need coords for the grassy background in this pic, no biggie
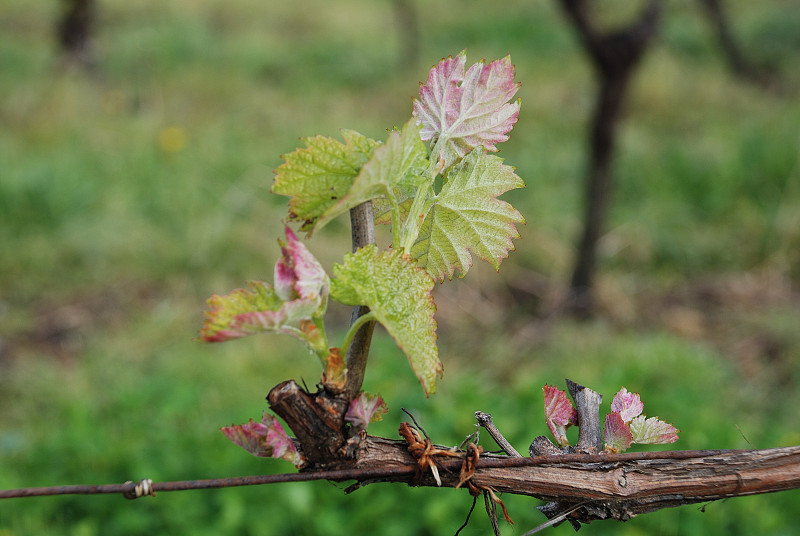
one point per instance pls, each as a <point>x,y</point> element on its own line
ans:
<point>128,197</point>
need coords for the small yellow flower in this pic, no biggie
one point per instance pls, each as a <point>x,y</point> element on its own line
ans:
<point>172,139</point>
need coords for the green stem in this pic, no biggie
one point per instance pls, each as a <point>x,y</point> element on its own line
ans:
<point>396,225</point>
<point>416,215</point>
<point>320,345</point>
<point>354,327</point>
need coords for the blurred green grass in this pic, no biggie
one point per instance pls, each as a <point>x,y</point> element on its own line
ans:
<point>129,197</point>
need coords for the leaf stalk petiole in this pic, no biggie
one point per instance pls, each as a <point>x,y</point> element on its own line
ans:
<point>417,212</point>
<point>351,333</point>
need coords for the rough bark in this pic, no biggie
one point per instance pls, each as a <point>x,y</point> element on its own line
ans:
<point>316,419</point>
<point>595,486</point>
<point>587,403</point>
<point>601,486</point>
<point>362,227</point>
<point>613,486</point>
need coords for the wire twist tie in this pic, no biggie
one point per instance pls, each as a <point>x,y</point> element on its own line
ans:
<point>423,450</point>
<point>142,488</point>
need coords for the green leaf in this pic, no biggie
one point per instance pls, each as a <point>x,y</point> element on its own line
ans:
<point>392,174</point>
<point>318,176</point>
<point>652,431</point>
<point>399,294</point>
<point>467,217</point>
<point>382,209</point>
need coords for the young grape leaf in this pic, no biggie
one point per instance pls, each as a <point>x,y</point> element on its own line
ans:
<point>559,413</point>
<point>251,436</point>
<point>628,405</point>
<point>467,216</point>
<point>618,436</point>
<point>246,312</point>
<point>298,274</point>
<point>299,298</point>
<point>398,292</point>
<point>266,439</point>
<point>382,208</point>
<point>463,111</point>
<point>364,409</point>
<point>318,176</point>
<point>652,431</point>
<point>392,174</point>
<point>334,377</point>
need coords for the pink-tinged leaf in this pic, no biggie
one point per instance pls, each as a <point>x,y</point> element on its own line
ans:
<point>293,306</point>
<point>462,110</point>
<point>618,436</point>
<point>282,445</point>
<point>251,436</point>
<point>628,405</point>
<point>364,409</point>
<point>247,312</point>
<point>266,439</point>
<point>559,413</point>
<point>652,431</point>
<point>297,273</point>
<point>239,313</point>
